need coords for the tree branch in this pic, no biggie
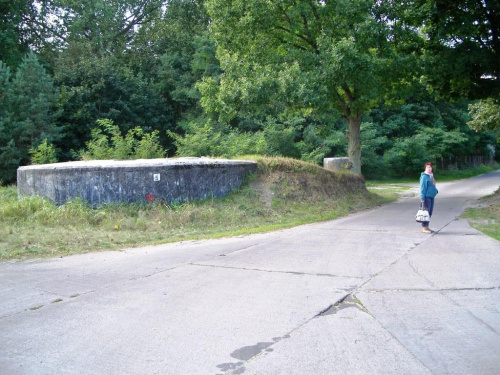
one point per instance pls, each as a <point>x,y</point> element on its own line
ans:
<point>302,37</point>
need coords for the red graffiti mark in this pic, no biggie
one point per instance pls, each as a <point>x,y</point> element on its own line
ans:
<point>150,198</point>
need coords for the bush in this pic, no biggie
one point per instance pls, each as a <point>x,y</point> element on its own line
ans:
<point>108,143</point>
<point>211,138</point>
<point>44,153</point>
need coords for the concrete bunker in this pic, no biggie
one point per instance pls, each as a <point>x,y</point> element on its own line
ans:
<point>337,164</point>
<point>100,182</point>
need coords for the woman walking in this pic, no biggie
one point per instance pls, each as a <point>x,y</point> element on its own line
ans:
<point>428,191</point>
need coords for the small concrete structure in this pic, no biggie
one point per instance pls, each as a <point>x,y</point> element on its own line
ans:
<point>337,164</point>
<point>130,181</point>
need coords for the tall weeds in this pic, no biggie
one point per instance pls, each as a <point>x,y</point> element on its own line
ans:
<point>282,193</point>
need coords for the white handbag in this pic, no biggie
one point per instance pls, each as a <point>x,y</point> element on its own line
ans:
<point>422,214</point>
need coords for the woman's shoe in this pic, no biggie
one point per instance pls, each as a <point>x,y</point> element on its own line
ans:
<point>426,230</point>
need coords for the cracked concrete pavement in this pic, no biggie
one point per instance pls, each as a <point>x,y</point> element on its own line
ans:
<point>365,294</point>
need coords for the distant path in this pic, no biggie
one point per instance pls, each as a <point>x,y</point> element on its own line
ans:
<point>365,294</point>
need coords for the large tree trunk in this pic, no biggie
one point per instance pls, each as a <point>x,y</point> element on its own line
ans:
<point>354,142</point>
<point>352,118</point>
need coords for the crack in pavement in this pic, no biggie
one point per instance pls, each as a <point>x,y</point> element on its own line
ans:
<point>250,353</point>
<point>430,290</point>
<point>42,304</point>
<point>276,271</point>
<point>349,301</point>
<point>153,274</point>
<point>238,250</point>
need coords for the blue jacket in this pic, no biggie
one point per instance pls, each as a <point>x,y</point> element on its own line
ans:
<point>427,188</point>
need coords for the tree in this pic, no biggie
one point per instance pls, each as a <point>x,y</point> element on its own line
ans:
<point>27,113</point>
<point>31,111</point>
<point>185,54</point>
<point>9,154</point>
<point>305,57</point>
<point>5,86</point>
<point>459,43</point>
<point>179,71</point>
<point>94,87</point>
<point>485,116</point>
<point>134,62</point>
<point>13,33</point>
<point>108,26</point>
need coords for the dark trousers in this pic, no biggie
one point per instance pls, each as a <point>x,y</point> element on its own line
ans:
<point>429,204</point>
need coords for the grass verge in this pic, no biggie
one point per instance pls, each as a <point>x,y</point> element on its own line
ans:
<point>390,191</point>
<point>458,174</point>
<point>282,193</point>
<point>486,217</point>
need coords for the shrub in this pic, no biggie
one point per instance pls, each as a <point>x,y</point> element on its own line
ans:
<point>44,153</point>
<point>108,143</point>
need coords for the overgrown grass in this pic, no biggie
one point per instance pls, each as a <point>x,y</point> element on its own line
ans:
<point>486,217</point>
<point>282,193</point>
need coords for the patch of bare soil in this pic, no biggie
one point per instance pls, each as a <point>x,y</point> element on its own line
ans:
<point>264,190</point>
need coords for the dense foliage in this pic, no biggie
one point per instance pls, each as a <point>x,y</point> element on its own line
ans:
<point>391,84</point>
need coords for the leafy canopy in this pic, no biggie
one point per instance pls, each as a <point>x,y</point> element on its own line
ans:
<point>301,57</point>
<point>486,116</point>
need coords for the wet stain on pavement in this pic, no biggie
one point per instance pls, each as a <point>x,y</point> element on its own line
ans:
<point>248,352</point>
<point>224,367</point>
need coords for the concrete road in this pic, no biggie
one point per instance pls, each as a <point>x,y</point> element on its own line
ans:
<point>365,294</point>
